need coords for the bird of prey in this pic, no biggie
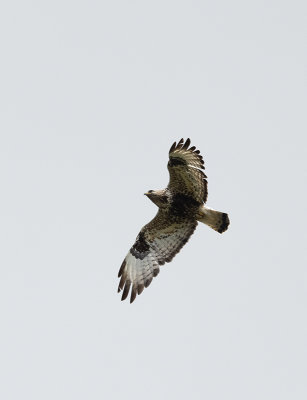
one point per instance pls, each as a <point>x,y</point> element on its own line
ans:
<point>180,208</point>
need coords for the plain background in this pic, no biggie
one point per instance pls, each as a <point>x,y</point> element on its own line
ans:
<point>93,94</point>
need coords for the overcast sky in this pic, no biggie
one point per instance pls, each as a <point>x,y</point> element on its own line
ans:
<point>93,94</point>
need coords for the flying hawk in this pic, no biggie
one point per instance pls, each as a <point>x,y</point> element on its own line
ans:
<point>180,207</point>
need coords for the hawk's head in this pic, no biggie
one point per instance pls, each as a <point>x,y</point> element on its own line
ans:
<point>159,197</point>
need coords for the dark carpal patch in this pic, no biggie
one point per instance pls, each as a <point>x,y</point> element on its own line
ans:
<point>176,161</point>
<point>140,249</point>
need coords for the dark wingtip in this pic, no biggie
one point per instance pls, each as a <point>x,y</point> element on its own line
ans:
<point>187,144</point>
<point>121,283</point>
<point>148,282</point>
<point>173,147</point>
<point>126,290</point>
<point>121,270</point>
<point>133,294</point>
<point>180,143</point>
<point>140,288</point>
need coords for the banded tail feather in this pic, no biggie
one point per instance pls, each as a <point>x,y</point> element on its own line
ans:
<point>217,220</point>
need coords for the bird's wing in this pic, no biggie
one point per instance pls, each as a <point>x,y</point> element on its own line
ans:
<point>157,243</point>
<point>185,168</point>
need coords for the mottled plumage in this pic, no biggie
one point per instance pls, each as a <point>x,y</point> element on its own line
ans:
<point>181,206</point>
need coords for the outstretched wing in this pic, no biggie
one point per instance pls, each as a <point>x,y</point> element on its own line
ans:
<point>185,168</point>
<point>157,243</point>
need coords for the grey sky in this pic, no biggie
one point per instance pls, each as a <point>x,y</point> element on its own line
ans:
<point>93,94</point>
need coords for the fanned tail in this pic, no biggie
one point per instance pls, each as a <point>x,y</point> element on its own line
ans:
<point>217,220</point>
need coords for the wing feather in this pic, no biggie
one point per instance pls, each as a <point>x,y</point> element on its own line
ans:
<point>185,168</point>
<point>157,243</point>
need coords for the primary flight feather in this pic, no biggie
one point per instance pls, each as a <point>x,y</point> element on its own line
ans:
<point>180,207</point>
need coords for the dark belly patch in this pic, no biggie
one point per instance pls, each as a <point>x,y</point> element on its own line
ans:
<point>184,205</point>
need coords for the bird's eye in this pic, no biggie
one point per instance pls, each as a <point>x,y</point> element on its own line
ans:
<point>150,191</point>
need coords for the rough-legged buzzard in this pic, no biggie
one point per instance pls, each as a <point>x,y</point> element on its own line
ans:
<point>180,207</point>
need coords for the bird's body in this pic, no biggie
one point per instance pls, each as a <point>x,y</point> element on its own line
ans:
<point>181,206</point>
